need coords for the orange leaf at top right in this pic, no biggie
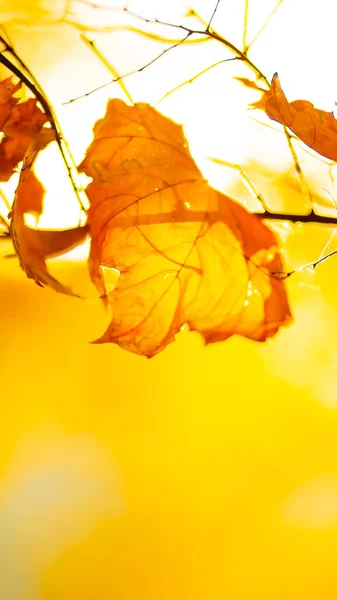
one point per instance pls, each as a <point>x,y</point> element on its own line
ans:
<point>315,127</point>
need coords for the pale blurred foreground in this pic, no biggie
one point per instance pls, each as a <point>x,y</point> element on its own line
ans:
<point>205,472</point>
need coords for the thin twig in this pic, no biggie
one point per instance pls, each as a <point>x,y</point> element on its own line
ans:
<point>303,182</point>
<point>220,62</point>
<point>212,34</point>
<point>268,19</point>
<point>10,49</point>
<point>281,275</point>
<point>4,223</point>
<point>328,244</point>
<point>212,16</point>
<point>208,34</point>
<point>5,39</point>
<point>117,79</point>
<point>91,44</point>
<point>155,37</point>
<point>246,181</point>
<point>245,25</point>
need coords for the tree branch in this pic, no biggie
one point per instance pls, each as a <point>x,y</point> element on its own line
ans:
<point>139,70</point>
<point>213,15</point>
<point>210,33</point>
<point>310,217</point>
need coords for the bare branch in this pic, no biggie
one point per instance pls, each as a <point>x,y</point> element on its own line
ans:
<point>207,34</point>
<point>91,44</point>
<point>281,275</point>
<point>117,79</point>
<point>213,14</point>
<point>310,217</point>
<point>211,34</point>
<point>303,182</point>
<point>268,19</point>
<point>155,37</point>
<point>220,62</point>
<point>245,25</point>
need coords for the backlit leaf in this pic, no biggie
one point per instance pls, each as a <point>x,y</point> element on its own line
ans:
<point>26,120</point>
<point>34,246</point>
<point>7,101</point>
<point>30,195</point>
<point>24,137</point>
<point>12,152</point>
<point>20,123</point>
<point>185,252</point>
<point>316,128</point>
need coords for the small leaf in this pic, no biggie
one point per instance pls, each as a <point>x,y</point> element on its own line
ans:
<point>34,246</point>
<point>250,83</point>
<point>30,196</point>
<point>30,192</point>
<point>8,89</point>
<point>185,252</point>
<point>12,152</point>
<point>26,120</point>
<point>7,101</point>
<point>315,127</point>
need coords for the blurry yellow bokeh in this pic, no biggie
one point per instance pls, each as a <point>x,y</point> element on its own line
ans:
<point>206,472</point>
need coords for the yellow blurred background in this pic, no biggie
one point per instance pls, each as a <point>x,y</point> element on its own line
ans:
<point>205,472</point>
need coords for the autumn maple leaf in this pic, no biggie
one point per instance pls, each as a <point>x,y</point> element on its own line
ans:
<point>185,253</point>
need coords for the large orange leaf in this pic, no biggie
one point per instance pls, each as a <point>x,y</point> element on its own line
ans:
<point>185,252</point>
<point>315,127</point>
